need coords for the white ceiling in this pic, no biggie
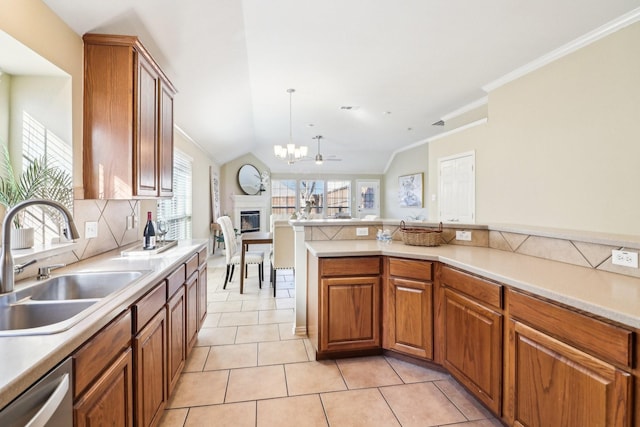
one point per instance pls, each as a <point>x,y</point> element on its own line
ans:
<point>233,61</point>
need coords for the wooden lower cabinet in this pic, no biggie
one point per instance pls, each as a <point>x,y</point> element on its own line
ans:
<point>108,402</point>
<point>567,368</point>
<point>176,335</point>
<point>202,293</point>
<point>472,344</point>
<point>150,349</point>
<point>471,334</point>
<point>103,377</point>
<point>555,384</point>
<point>191,294</point>
<point>408,308</point>
<point>344,306</point>
<point>351,306</point>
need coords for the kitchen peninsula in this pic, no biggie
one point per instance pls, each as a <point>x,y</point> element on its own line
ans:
<point>499,321</point>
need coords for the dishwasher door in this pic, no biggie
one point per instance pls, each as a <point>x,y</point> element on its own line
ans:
<point>47,403</point>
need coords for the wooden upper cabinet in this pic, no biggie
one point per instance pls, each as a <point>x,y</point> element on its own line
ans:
<point>128,121</point>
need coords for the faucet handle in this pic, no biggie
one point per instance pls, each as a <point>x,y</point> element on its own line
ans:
<point>20,267</point>
<point>45,272</point>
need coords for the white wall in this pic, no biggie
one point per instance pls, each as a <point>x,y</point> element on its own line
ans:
<point>562,144</point>
<point>412,161</point>
<point>47,100</point>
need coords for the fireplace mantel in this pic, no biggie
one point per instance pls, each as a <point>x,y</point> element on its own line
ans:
<point>250,203</point>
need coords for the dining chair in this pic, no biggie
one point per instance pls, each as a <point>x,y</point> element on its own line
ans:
<point>232,254</point>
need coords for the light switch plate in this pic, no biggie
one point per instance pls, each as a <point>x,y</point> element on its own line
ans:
<point>90,229</point>
<point>362,231</point>
<point>463,235</point>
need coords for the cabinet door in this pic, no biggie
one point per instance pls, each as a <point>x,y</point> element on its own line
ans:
<point>554,384</point>
<point>109,401</point>
<point>176,312</point>
<point>409,317</point>
<point>150,348</point>
<point>202,294</point>
<point>350,313</point>
<point>473,347</point>
<point>165,141</point>
<point>146,141</point>
<point>191,291</point>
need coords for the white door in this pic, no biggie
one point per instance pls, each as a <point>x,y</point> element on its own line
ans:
<point>457,189</point>
<point>368,197</point>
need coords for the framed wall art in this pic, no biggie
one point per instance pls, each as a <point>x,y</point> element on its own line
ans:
<point>410,190</point>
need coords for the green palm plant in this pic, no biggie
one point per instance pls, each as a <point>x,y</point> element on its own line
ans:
<point>38,181</point>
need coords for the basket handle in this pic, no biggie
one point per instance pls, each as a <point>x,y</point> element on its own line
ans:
<point>402,225</point>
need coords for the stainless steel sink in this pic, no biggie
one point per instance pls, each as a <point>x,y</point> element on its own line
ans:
<point>84,285</point>
<point>33,317</point>
<point>60,302</point>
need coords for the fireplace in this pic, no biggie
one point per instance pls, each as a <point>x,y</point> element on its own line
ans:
<point>259,204</point>
<point>249,221</point>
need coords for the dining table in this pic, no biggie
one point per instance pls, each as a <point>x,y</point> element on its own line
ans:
<point>252,238</point>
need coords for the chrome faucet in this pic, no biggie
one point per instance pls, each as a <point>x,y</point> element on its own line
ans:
<point>6,259</point>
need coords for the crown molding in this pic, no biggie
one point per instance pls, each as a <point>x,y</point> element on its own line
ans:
<point>458,129</point>
<point>593,36</point>
<point>431,139</point>
<point>470,106</point>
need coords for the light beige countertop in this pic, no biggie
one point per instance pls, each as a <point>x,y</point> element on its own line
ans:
<point>609,295</point>
<point>24,359</point>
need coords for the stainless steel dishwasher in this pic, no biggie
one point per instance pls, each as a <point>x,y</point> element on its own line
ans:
<point>46,403</point>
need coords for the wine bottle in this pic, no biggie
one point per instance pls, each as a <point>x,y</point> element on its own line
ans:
<point>149,234</point>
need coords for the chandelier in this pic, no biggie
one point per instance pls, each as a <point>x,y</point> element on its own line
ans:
<point>290,152</point>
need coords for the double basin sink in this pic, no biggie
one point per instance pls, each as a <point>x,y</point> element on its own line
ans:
<point>56,304</point>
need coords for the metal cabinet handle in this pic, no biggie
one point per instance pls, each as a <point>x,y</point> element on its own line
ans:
<point>42,417</point>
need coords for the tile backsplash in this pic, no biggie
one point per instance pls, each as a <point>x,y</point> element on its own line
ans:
<point>111,216</point>
<point>579,250</point>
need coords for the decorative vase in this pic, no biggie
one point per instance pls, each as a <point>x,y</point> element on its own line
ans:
<point>21,238</point>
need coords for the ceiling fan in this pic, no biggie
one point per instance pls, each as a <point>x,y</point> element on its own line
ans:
<point>319,159</point>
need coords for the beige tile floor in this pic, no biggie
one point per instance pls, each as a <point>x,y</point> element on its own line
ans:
<point>248,369</point>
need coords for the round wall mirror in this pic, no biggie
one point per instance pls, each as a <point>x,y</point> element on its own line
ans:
<point>249,179</point>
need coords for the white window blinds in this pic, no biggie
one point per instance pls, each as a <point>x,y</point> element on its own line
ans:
<point>177,210</point>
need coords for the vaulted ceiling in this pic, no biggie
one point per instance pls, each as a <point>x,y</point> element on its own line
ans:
<point>402,65</point>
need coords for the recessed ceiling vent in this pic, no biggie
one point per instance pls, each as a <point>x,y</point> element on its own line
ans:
<point>438,123</point>
<point>349,107</point>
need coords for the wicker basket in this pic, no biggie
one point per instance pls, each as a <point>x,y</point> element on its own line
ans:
<point>420,236</point>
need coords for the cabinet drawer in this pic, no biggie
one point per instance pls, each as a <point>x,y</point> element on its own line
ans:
<point>175,280</point>
<point>601,339</point>
<point>411,269</point>
<point>482,290</point>
<point>192,265</point>
<point>351,266</point>
<point>93,357</point>
<point>148,306</point>
<point>202,256</point>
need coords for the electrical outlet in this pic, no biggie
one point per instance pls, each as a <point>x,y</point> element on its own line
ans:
<point>463,235</point>
<point>90,229</point>
<point>362,231</point>
<point>624,258</point>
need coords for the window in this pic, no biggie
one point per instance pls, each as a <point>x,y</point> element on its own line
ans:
<point>338,197</point>
<point>38,141</point>
<point>328,197</point>
<point>177,210</point>
<point>312,191</point>
<point>283,196</point>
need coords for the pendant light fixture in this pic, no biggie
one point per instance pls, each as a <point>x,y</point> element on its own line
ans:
<point>290,152</point>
